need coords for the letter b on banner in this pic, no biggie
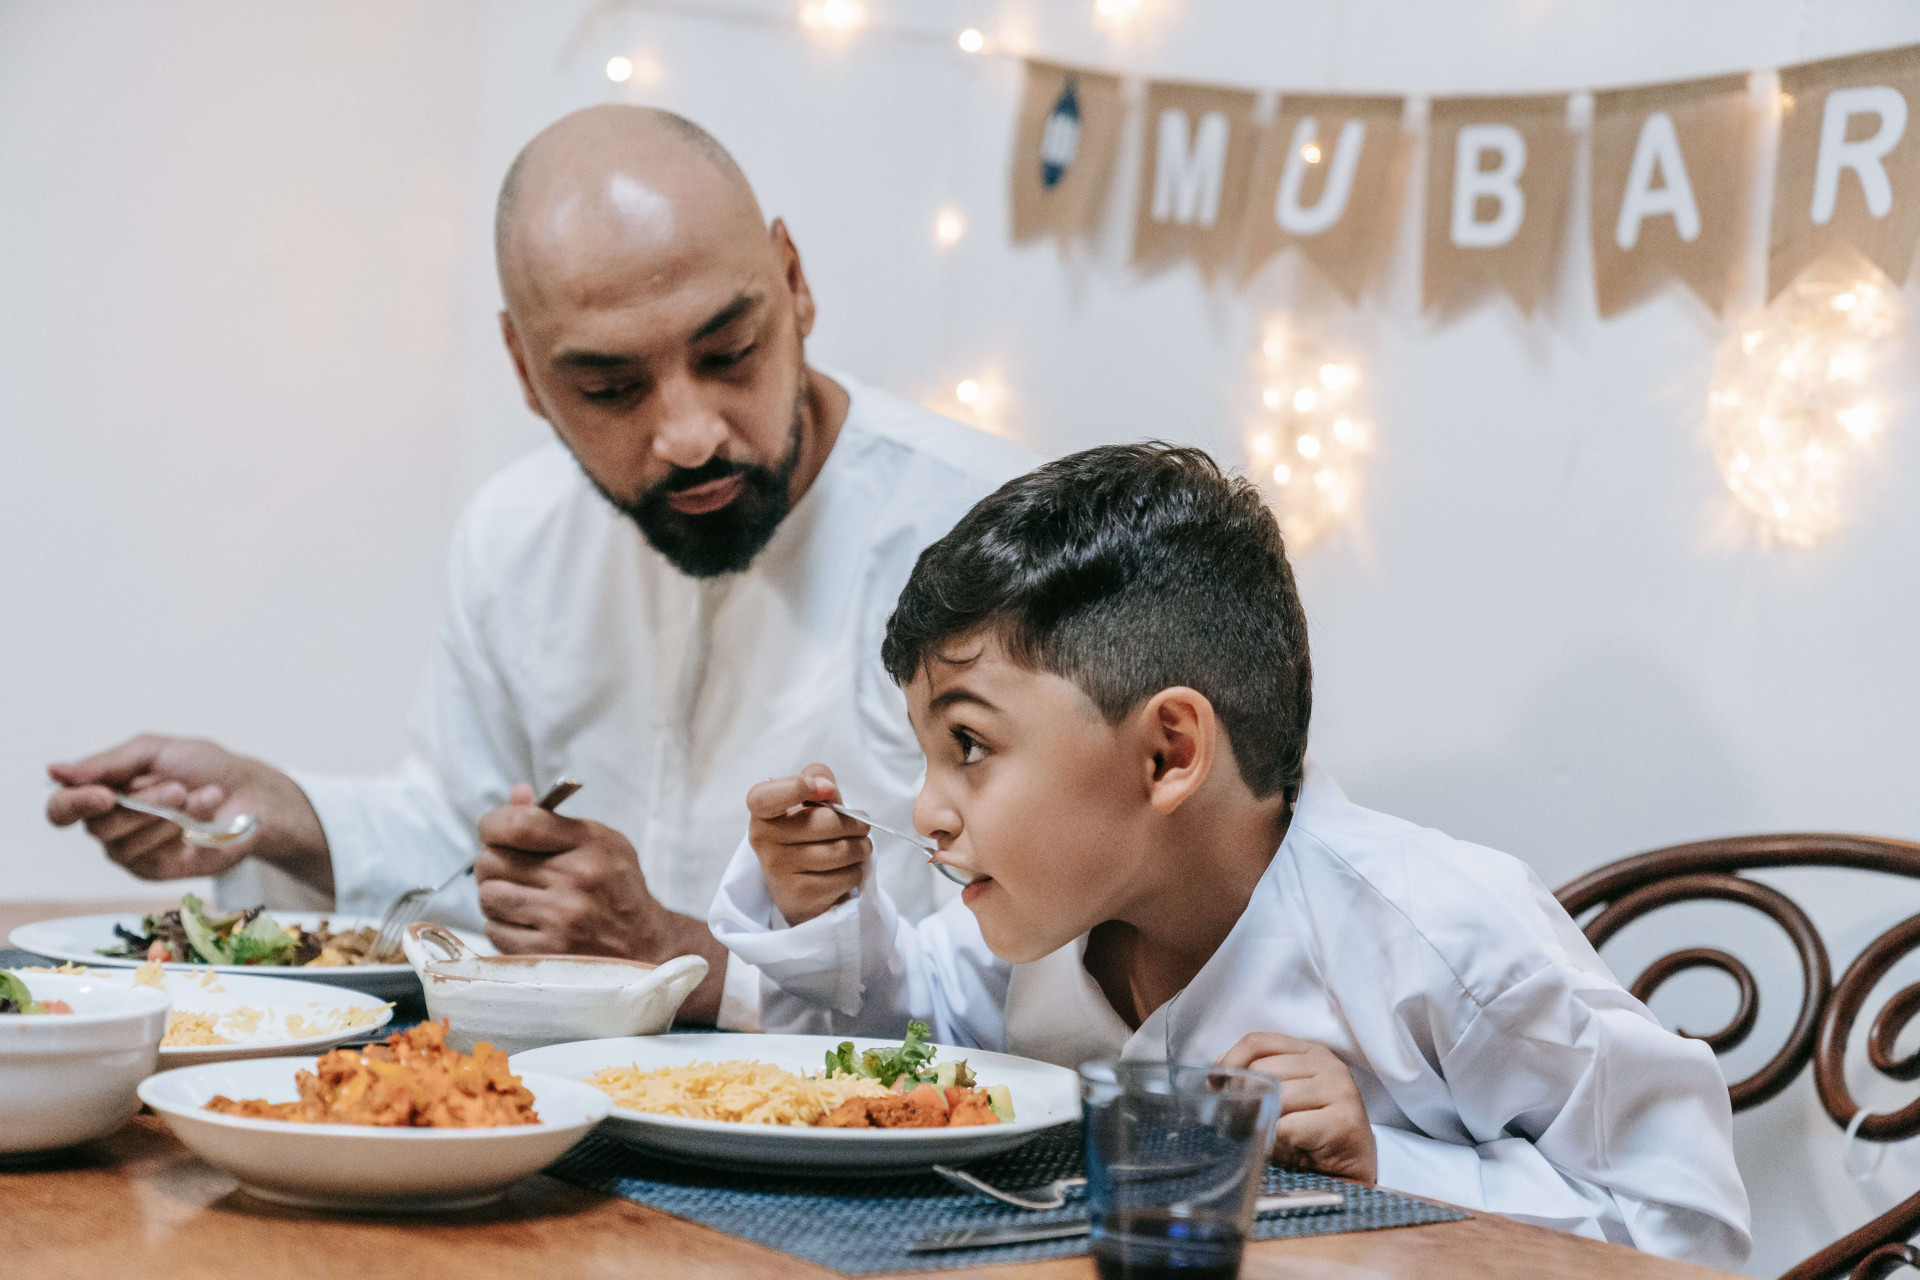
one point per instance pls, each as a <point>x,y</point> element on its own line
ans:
<point>1497,174</point>
<point>1473,183</point>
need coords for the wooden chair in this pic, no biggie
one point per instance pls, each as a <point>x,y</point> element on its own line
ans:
<point>1711,869</point>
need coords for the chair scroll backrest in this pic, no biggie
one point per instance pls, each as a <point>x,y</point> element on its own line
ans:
<point>1621,892</point>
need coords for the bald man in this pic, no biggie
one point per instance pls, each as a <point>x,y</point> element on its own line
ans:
<point>682,597</point>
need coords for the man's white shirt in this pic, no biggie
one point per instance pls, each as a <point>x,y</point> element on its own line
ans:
<point>1502,1066</point>
<point>571,647</point>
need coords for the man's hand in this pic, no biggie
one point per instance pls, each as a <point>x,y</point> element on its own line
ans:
<point>812,857</point>
<point>566,886</point>
<point>208,782</point>
<point>1323,1123</point>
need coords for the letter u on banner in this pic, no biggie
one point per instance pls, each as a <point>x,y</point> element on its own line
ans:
<point>1669,189</point>
<point>1321,181</point>
<point>1849,163</point>
<point>1497,175</point>
<point>1200,145</point>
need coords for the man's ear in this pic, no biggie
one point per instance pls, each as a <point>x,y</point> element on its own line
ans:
<point>796,277</point>
<point>512,337</point>
<point>1182,735</point>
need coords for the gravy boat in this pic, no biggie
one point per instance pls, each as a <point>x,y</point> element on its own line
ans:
<point>524,1002</point>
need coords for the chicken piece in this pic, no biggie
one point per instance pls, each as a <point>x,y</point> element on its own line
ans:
<point>972,1109</point>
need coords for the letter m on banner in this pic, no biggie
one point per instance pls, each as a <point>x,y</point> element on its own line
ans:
<point>1200,146</point>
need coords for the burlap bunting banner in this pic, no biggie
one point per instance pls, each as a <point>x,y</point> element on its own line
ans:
<point>1849,162</point>
<point>1200,142</point>
<point>1063,150</point>
<point>1497,177</point>
<point>1321,181</point>
<point>1669,189</point>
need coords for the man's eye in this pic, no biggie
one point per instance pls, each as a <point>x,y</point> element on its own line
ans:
<point>606,395</point>
<point>971,751</point>
<point>728,359</point>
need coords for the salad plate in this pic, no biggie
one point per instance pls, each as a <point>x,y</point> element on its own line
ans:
<point>1042,1096</point>
<point>80,939</point>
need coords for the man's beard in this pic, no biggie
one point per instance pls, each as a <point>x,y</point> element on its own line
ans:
<point>716,542</point>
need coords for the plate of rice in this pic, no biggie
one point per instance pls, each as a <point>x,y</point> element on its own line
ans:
<point>223,1017</point>
<point>769,1103</point>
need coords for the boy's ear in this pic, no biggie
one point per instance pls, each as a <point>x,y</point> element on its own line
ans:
<point>1182,735</point>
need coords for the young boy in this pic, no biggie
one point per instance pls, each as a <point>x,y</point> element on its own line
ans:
<point>1105,663</point>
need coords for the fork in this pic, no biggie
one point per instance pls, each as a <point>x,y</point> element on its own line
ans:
<point>1053,1195</point>
<point>411,905</point>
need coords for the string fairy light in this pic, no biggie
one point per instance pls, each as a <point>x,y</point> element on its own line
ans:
<point>619,69</point>
<point>1304,448</point>
<point>1791,402</point>
<point>840,17</point>
<point>949,225</point>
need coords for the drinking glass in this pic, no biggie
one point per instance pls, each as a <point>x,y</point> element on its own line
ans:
<point>1174,1160</point>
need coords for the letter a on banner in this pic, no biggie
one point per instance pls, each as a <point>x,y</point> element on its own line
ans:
<point>1497,175</point>
<point>1200,145</point>
<point>1669,189</point>
<point>1063,149</point>
<point>1849,163</point>
<point>1320,181</point>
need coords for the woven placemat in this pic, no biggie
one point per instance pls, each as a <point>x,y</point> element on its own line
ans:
<point>860,1226</point>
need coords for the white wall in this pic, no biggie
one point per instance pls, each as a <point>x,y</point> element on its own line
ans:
<point>251,249</point>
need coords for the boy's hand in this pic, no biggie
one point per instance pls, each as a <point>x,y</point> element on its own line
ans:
<point>812,857</point>
<point>1323,1123</point>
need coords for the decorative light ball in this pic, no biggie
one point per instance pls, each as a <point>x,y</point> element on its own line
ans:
<point>1792,400</point>
<point>949,226</point>
<point>836,17</point>
<point>1309,416</point>
<point>968,392</point>
<point>619,69</point>
<point>972,41</point>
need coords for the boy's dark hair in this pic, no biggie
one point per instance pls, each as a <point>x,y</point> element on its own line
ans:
<point>1129,569</point>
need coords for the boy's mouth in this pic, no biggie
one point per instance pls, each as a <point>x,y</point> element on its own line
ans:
<point>973,891</point>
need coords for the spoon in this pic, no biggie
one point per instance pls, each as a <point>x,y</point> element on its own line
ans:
<point>208,835</point>
<point>917,840</point>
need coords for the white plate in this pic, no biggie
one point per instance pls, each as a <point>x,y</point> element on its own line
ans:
<point>1043,1096</point>
<point>278,1000</point>
<point>363,1168</point>
<point>79,938</point>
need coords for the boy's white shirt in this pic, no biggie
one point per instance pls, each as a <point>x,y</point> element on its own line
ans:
<point>1503,1067</point>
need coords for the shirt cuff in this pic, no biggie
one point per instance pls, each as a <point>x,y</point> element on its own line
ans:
<point>739,997</point>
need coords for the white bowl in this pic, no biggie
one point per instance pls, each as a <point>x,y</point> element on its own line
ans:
<point>364,1167</point>
<point>528,1001</point>
<point>68,1077</point>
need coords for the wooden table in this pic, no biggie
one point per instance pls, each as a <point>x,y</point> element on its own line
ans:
<point>138,1205</point>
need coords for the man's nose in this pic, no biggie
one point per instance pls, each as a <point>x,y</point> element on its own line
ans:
<point>689,431</point>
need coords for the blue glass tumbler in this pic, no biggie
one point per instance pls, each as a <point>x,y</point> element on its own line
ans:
<point>1175,1157</point>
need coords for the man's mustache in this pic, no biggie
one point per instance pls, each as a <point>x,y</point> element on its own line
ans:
<point>683,478</point>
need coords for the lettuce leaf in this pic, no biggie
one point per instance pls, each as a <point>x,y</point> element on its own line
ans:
<point>14,996</point>
<point>263,941</point>
<point>206,945</point>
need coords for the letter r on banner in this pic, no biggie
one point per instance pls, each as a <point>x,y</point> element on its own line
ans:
<point>1657,152</point>
<point>1186,178</point>
<point>1501,183</point>
<point>1864,155</point>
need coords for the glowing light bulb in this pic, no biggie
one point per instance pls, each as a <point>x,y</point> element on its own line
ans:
<point>1338,377</point>
<point>1282,474</point>
<point>836,16</point>
<point>1845,301</point>
<point>1309,446</point>
<point>971,41</point>
<point>949,226</point>
<point>1860,420</point>
<point>1311,153</point>
<point>1847,362</point>
<point>619,69</point>
<point>1272,347</point>
<point>1272,397</point>
<point>1325,479</point>
<point>1117,11</point>
<point>968,392</point>
<point>1305,399</point>
<point>1742,463</point>
<point>1262,445</point>
<point>1344,431</point>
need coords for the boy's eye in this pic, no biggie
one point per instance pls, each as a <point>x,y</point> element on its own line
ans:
<point>971,751</point>
<point>727,359</point>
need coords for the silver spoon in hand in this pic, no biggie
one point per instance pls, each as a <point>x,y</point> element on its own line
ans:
<point>208,835</point>
<point>917,840</point>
